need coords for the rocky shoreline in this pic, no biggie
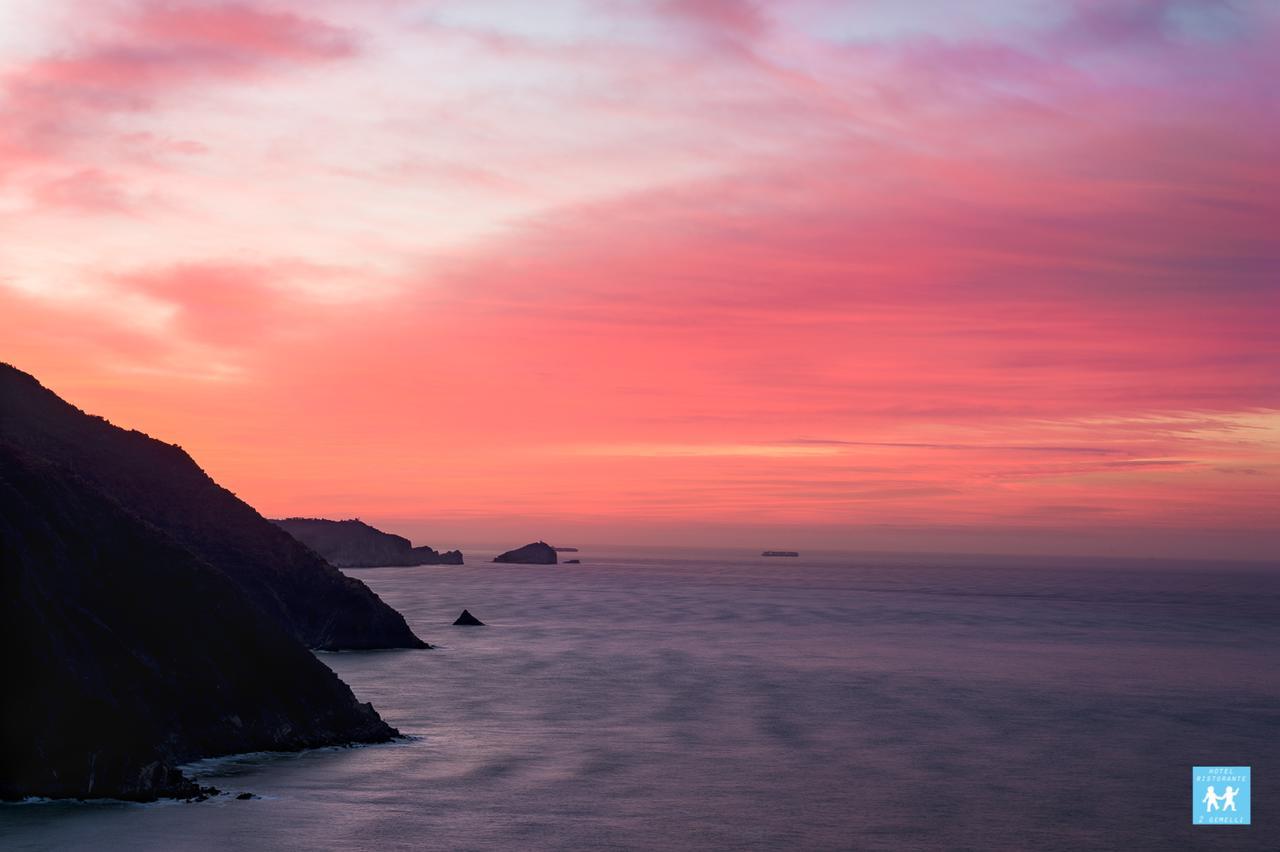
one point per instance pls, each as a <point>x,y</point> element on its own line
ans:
<point>153,618</point>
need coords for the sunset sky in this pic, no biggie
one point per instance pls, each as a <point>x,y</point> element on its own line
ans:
<point>995,276</point>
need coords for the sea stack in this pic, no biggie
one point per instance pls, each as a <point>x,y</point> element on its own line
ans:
<point>537,553</point>
<point>467,620</point>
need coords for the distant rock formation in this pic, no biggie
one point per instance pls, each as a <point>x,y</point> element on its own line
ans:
<point>467,620</point>
<point>355,544</point>
<point>538,553</point>
<point>573,562</point>
<point>161,485</point>
<point>128,652</point>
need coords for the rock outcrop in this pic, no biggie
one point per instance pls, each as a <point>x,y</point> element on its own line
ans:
<point>164,488</point>
<point>128,650</point>
<point>538,553</point>
<point>467,620</point>
<point>355,544</point>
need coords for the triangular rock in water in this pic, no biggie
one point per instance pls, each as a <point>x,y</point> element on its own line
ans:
<point>538,553</point>
<point>468,620</point>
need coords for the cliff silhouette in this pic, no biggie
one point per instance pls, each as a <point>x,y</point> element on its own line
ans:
<point>162,486</point>
<point>355,544</point>
<point>129,654</point>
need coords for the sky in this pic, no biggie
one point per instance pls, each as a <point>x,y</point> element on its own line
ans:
<point>997,276</point>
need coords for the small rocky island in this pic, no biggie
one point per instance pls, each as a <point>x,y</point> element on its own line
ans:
<point>355,544</point>
<point>467,620</point>
<point>537,553</point>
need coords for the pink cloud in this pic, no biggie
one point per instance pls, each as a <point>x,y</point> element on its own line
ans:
<point>219,303</point>
<point>236,35</point>
<point>87,190</point>
<point>724,17</point>
<point>1009,281</point>
<point>237,306</point>
<point>144,52</point>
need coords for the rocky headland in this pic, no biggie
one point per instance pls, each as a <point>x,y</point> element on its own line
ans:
<point>151,618</point>
<point>355,544</point>
<point>162,486</point>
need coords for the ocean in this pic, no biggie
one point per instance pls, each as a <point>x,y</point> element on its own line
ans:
<point>651,699</point>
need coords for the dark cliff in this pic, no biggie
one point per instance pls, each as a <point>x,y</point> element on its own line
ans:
<point>163,486</point>
<point>538,553</point>
<point>355,544</point>
<point>128,653</point>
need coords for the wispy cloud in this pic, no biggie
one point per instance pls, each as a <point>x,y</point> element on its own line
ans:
<point>1000,259</point>
<point>1018,448</point>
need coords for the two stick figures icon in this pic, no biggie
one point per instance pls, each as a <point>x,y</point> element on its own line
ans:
<point>1226,801</point>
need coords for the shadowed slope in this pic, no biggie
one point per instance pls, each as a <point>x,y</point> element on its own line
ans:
<point>162,485</point>
<point>128,654</point>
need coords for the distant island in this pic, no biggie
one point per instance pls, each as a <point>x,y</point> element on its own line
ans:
<point>151,618</point>
<point>537,553</point>
<point>780,553</point>
<point>355,544</point>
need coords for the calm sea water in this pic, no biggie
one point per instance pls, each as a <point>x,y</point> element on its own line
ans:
<point>733,702</point>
